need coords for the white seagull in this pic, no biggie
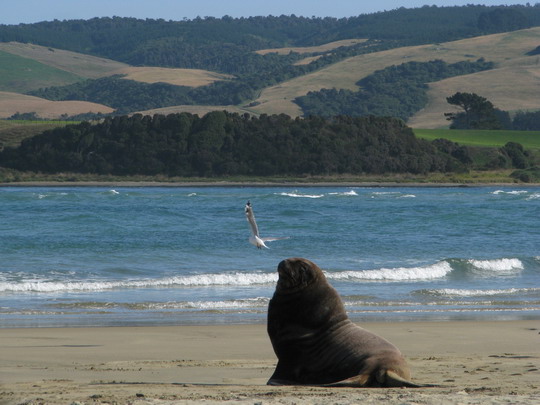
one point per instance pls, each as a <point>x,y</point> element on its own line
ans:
<point>255,239</point>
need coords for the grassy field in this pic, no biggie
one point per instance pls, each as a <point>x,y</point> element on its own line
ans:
<point>200,110</point>
<point>517,82</point>
<point>11,103</point>
<point>312,49</point>
<point>484,138</point>
<point>77,63</point>
<point>178,77</point>
<point>511,88</point>
<point>18,74</point>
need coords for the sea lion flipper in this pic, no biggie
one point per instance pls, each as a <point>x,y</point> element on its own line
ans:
<point>275,381</point>
<point>360,380</point>
<point>395,380</point>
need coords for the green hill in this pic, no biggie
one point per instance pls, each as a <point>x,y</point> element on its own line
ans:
<point>19,75</point>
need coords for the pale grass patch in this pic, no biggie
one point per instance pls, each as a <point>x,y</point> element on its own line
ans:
<point>312,49</point>
<point>178,77</point>
<point>11,103</point>
<point>508,88</point>
<point>200,110</point>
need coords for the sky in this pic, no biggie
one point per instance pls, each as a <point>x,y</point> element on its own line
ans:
<point>30,11</point>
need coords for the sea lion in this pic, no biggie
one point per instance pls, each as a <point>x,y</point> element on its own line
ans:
<point>315,341</point>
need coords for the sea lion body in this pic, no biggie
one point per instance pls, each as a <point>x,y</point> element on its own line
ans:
<point>317,344</point>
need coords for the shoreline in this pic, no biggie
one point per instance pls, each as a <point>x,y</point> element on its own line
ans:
<point>200,184</point>
<point>485,362</point>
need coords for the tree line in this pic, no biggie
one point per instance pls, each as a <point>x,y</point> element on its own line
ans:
<point>199,41</point>
<point>225,144</point>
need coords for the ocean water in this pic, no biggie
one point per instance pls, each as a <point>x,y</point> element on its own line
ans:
<point>94,256</point>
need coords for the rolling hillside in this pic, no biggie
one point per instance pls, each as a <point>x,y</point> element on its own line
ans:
<point>513,85</point>
<point>79,64</point>
<point>20,74</point>
<point>515,70</point>
<point>25,67</point>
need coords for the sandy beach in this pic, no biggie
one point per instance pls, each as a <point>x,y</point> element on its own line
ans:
<point>472,362</point>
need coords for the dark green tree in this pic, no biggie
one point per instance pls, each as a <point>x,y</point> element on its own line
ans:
<point>527,121</point>
<point>502,20</point>
<point>478,112</point>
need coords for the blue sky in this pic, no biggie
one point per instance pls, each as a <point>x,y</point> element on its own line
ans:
<point>29,11</point>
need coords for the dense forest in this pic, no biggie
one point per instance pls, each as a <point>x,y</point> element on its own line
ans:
<point>397,91</point>
<point>225,144</point>
<point>221,143</point>
<point>212,43</point>
<point>227,45</point>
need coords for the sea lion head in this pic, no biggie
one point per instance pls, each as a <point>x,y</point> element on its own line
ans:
<point>297,273</point>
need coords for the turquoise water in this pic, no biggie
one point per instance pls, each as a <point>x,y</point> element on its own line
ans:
<point>85,256</point>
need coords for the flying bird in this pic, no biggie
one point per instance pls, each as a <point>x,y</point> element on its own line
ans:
<point>255,239</point>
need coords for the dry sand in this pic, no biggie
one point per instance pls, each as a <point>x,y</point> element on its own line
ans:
<point>473,362</point>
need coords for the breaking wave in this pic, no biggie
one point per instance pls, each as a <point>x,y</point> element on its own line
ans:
<point>437,270</point>
<point>444,268</point>
<point>200,280</point>
<point>298,194</point>
<point>453,292</point>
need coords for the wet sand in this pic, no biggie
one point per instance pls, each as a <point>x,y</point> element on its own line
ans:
<point>472,362</point>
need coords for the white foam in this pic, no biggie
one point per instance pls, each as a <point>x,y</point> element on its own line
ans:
<point>434,271</point>
<point>394,194</point>
<point>345,193</point>
<point>295,194</point>
<point>513,192</point>
<point>200,280</point>
<point>497,265</point>
<point>257,302</point>
<point>229,304</point>
<point>479,293</point>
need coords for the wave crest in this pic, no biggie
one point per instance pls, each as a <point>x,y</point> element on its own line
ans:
<point>200,280</point>
<point>500,266</point>
<point>454,292</point>
<point>437,270</point>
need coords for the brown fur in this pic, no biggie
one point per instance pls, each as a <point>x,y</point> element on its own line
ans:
<point>317,344</point>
